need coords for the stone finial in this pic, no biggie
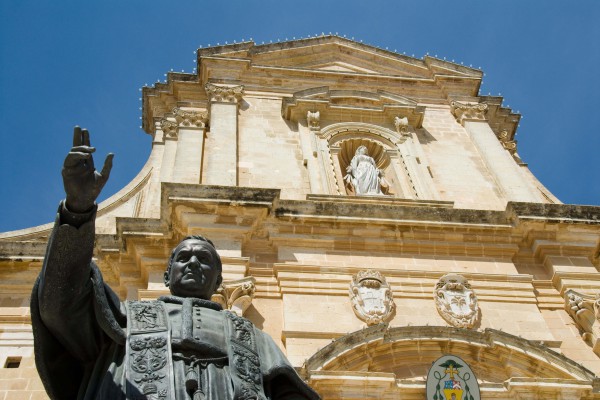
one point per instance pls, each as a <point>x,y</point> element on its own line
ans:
<point>169,128</point>
<point>371,297</point>
<point>226,94</point>
<point>469,111</point>
<point>236,295</point>
<point>196,119</point>
<point>313,119</point>
<point>585,311</point>
<point>456,301</point>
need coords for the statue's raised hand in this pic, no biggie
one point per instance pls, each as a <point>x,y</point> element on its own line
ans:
<point>81,180</point>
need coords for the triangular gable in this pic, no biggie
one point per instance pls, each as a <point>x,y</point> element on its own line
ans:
<point>334,53</point>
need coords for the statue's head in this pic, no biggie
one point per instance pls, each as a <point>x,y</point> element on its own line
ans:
<point>194,269</point>
<point>362,150</point>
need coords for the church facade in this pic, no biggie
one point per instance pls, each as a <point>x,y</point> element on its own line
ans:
<point>372,214</point>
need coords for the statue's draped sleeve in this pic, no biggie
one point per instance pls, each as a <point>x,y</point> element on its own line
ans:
<point>74,314</point>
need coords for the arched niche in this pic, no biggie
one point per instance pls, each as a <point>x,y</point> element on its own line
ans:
<point>408,352</point>
<point>382,145</point>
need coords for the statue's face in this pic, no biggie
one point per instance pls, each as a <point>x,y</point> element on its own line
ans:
<point>194,270</point>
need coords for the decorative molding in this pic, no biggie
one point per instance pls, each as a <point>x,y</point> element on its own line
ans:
<point>236,295</point>
<point>401,125</point>
<point>509,145</point>
<point>313,119</point>
<point>371,297</point>
<point>196,119</point>
<point>469,111</point>
<point>585,311</point>
<point>227,94</point>
<point>456,301</point>
<point>169,128</point>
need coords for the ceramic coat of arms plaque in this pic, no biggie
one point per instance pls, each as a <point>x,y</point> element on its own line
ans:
<point>450,378</point>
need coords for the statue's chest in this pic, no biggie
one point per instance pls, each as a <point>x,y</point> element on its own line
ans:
<point>196,328</point>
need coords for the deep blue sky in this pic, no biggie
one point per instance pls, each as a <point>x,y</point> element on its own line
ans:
<point>76,62</point>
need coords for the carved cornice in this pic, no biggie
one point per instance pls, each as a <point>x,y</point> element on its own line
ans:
<point>469,111</point>
<point>196,119</point>
<point>169,128</point>
<point>227,94</point>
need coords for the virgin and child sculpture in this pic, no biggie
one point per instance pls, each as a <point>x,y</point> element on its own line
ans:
<point>90,345</point>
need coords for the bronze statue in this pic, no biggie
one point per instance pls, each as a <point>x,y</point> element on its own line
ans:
<point>89,345</point>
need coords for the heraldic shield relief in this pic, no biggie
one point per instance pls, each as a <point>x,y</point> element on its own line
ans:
<point>450,378</point>
<point>371,297</point>
<point>456,302</point>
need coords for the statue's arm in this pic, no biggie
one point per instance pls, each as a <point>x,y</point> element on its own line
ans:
<point>65,290</point>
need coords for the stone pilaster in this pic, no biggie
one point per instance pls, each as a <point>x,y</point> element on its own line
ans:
<point>499,162</point>
<point>221,157</point>
<point>190,145</point>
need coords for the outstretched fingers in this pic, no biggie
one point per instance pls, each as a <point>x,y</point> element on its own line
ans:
<point>105,173</point>
<point>77,136</point>
<point>81,137</point>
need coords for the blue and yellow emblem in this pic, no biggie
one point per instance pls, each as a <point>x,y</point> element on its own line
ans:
<point>450,378</point>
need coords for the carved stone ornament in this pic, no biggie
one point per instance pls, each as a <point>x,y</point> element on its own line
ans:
<point>169,128</point>
<point>401,125</point>
<point>227,94</point>
<point>510,145</point>
<point>313,119</point>
<point>468,111</point>
<point>236,295</point>
<point>371,297</point>
<point>190,118</point>
<point>585,311</point>
<point>456,301</point>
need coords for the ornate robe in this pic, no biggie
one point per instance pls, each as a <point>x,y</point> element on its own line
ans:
<point>88,345</point>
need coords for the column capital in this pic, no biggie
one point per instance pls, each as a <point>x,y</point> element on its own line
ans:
<point>187,118</point>
<point>510,145</point>
<point>468,111</point>
<point>169,128</point>
<point>226,94</point>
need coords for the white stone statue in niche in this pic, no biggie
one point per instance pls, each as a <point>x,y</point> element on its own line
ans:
<point>371,297</point>
<point>364,176</point>
<point>456,301</point>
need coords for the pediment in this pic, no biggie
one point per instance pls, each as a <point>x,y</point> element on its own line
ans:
<point>337,54</point>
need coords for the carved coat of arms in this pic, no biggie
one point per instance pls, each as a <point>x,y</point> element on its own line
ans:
<point>371,297</point>
<point>456,301</point>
